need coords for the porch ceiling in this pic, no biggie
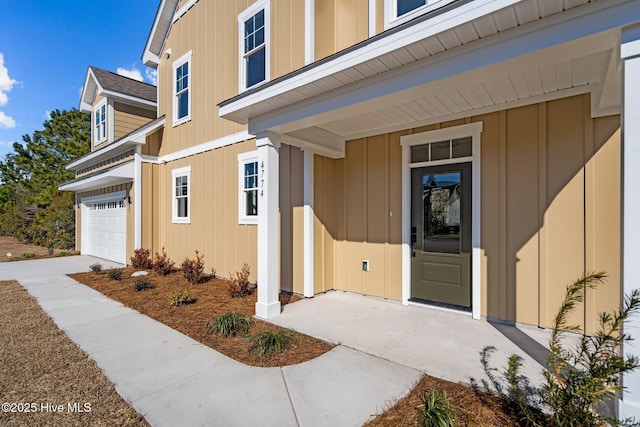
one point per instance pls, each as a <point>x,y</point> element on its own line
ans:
<point>431,71</point>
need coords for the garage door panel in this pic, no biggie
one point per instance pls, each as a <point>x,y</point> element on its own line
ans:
<point>106,230</point>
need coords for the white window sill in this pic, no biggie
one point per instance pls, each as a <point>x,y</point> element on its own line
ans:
<point>182,120</point>
<point>181,220</point>
<point>248,220</point>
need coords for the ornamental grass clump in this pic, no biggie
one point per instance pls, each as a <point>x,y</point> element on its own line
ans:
<point>436,410</point>
<point>268,342</point>
<point>193,269</point>
<point>141,285</point>
<point>229,324</point>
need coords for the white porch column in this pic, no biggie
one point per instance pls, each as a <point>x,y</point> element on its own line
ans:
<point>630,53</point>
<point>137,208</point>
<point>308,233</point>
<point>268,304</point>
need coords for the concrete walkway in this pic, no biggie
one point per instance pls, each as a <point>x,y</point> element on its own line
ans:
<point>173,380</point>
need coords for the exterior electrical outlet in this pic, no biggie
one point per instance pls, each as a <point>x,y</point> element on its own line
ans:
<point>365,265</point>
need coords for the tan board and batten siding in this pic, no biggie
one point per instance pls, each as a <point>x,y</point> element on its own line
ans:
<point>128,188</point>
<point>127,118</point>
<point>550,210</point>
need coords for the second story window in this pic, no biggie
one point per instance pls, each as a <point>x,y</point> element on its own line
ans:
<point>405,6</point>
<point>400,11</point>
<point>182,89</point>
<point>100,120</point>
<point>254,43</point>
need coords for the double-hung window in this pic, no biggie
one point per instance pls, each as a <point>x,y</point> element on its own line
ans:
<point>248,187</point>
<point>254,45</point>
<point>100,123</point>
<point>181,195</point>
<point>399,11</point>
<point>182,89</point>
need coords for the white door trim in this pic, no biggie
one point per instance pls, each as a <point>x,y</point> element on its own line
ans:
<point>473,130</point>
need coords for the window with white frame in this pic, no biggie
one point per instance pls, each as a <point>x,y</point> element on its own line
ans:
<point>181,195</point>
<point>400,11</point>
<point>253,26</point>
<point>100,123</point>
<point>248,185</point>
<point>182,89</point>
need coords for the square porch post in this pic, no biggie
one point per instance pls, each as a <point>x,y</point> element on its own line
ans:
<point>309,220</point>
<point>268,304</point>
<point>629,405</point>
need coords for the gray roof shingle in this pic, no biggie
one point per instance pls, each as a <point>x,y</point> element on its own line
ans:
<point>125,85</point>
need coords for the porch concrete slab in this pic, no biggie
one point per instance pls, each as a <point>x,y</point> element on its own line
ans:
<point>346,388</point>
<point>441,343</point>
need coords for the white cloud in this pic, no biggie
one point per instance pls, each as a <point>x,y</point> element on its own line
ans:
<point>151,75</point>
<point>47,115</point>
<point>133,73</point>
<point>6,82</point>
<point>6,121</point>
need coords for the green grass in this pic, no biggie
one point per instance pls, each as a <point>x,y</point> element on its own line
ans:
<point>436,410</point>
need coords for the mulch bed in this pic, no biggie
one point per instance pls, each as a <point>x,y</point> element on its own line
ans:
<point>473,408</point>
<point>9,245</point>
<point>211,300</point>
<point>42,370</point>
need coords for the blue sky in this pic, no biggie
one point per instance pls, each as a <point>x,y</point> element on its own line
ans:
<point>46,47</point>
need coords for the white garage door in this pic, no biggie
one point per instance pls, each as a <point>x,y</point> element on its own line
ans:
<point>106,230</point>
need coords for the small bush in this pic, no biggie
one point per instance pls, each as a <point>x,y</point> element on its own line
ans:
<point>96,268</point>
<point>179,297</point>
<point>27,255</point>
<point>115,274</point>
<point>162,264</point>
<point>64,253</point>
<point>193,269</point>
<point>229,324</point>
<point>269,342</point>
<point>239,285</point>
<point>141,285</point>
<point>436,410</point>
<point>141,260</point>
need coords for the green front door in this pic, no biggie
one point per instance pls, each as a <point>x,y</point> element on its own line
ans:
<point>441,235</point>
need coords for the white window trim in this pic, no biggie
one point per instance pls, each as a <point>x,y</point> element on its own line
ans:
<point>250,11</point>
<point>98,107</point>
<point>391,18</point>
<point>175,173</point>
<point>243,159</point>
<point>177,63</point>
<point>473,130</point>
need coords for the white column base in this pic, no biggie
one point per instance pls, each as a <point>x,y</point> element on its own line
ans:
<point>267,310</point>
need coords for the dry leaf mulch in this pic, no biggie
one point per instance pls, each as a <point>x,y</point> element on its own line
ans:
<point>45,378</point>
<point>211,300</point>
<point>472,407</point>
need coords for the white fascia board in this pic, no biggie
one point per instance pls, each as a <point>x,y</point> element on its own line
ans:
<point>136,138</point>
<point>87,81</point>
<point>206,146</point>
<point>127,98</point>
<point>397,40</point>
<point>150,58</point>
<point>316,148</point>
<point>557,29</point>
<point>117,175</point>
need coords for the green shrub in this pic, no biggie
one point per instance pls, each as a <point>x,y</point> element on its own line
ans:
<point>64,253</point>
<point>27,255</point>
<point>193,269</point>
<point>179,297</point>
<point>579,381</point>
<point>270,342</point>
<point>436,410</point>
<point>141,260</point>
<point>141,285</point>
<point>115,274</point>
<point>162,264</point>
<point>96,268</point>
<point>239,285</point>
<point>229,324</point>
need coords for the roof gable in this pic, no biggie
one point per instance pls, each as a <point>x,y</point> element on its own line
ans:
<point>159,31</point>
<point>108,84</point>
